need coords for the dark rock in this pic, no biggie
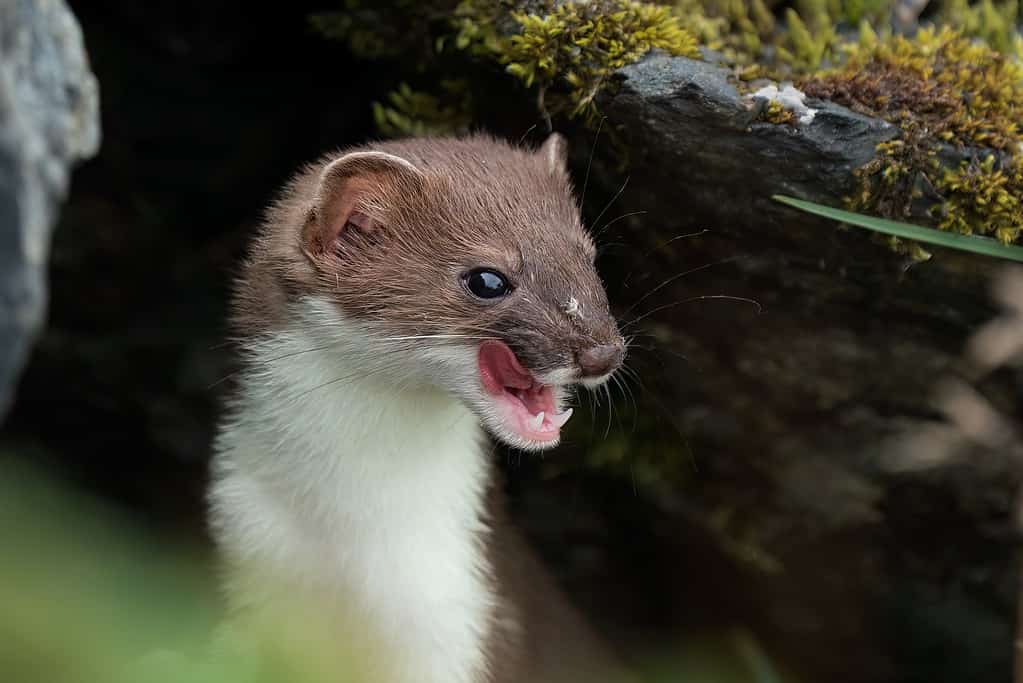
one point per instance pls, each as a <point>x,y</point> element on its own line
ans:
<point>49,120</point>
<point>688,116</point>
<point>848,559</point>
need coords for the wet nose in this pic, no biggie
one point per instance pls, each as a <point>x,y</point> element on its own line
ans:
<point>597,361</point>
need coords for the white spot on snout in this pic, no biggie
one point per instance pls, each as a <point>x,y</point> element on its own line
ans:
<point>572,308</point>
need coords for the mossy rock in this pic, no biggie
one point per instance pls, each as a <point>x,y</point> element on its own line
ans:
<point>784,409</point>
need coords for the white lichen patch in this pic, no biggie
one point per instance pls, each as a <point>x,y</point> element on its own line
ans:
<point>789,97</point>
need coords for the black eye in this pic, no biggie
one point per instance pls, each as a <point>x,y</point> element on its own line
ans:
<point>487,284</point>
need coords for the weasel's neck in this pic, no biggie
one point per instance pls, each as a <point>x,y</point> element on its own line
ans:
<point>371,493</point>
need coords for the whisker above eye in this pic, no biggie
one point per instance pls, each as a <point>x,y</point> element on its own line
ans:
<point>759,307</point>
<point>678,276</point>
<point>600,231</point>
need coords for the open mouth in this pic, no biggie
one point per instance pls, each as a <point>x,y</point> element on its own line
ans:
<point>527,407</point>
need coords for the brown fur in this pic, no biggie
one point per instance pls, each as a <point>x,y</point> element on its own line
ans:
<point>458,204</point>
<point>478,202</point>
<point>537,635</point>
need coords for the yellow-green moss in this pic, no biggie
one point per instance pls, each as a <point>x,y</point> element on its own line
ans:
<point>776,113</point>
<point>983,196</point>
<point>940,88</point>
<point>385,29</point>
<point>993,22</point>
<point>409,112</point>
<point>962,91</point>
<point>736,28</point>
<point>748,33</point>
<point>570,50</point>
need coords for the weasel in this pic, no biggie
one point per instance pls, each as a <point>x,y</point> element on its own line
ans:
<point>401,300</point>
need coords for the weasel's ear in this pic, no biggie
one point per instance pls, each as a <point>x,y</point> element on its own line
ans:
<point>554,150</point>
<point>348,196</point>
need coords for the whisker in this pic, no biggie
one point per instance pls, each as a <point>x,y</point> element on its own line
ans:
<point>667,414</point>
<point>436,336</point>
<point>613,199</point>
<point>625,281</point>
<point>593,414</point>
<point>610,408</point>
<point>266,361</point>
<point>251,359</point>
<point>526,134</point>
<point>659,349</point>
<point>607,225</point>
<point>678,276</point>
<point>354,375</point>
<point>623,381</point>
<point>627,394</point>
<point>593,149</point>
<point>757,304</point>
<point>603,248</point>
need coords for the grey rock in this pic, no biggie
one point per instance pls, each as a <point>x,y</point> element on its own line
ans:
<point>49,120</point>
<point>687,115</point>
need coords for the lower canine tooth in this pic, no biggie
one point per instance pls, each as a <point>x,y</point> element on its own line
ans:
<point>559,419</point>
<point>536,420</point>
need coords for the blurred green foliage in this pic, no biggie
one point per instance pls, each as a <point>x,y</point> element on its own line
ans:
<point>88,596</point>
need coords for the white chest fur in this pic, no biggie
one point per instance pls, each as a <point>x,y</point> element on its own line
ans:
<point>372,493</point>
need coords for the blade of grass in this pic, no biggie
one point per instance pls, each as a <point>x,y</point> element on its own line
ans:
<point>941,238</point>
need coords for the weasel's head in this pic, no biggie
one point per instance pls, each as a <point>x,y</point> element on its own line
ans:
<point>461,264</point>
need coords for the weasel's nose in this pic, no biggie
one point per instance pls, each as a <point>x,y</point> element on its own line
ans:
<point>597,361</point>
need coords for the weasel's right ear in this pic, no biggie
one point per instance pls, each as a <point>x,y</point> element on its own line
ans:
<point>349,196</point>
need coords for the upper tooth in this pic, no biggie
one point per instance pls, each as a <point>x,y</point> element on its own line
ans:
<point>536,420</point>
<point>559,419</point>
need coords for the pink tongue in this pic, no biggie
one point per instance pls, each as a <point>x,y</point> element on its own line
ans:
<point>499,368</point>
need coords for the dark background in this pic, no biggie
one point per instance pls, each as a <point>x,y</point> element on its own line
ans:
<point>207,108</point>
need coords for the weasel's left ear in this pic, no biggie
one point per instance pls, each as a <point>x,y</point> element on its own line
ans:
<point>352,194</point>
<point>554,151</point>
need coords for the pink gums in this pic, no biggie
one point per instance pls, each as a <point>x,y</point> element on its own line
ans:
<point>517,395</point>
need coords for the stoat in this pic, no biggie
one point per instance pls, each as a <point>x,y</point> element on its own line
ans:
<point>401,300</point>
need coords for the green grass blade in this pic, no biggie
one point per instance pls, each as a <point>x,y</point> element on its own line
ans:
<point>941,238</point>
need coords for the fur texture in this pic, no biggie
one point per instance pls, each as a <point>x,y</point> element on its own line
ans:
<point>351,466</point>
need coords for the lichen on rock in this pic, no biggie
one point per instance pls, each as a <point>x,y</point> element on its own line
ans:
<point>785,105</point>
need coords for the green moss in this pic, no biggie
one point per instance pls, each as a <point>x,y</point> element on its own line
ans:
<point>569,51</point>
<point>385,29</point>
<point>566,51</point>
<point>942,90</point>
<point>776,113</point>
<point>807,35</point>
<point>994,23</point>
<point>983,196</point>
<point>408,112</point>
<point>737,29</point>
